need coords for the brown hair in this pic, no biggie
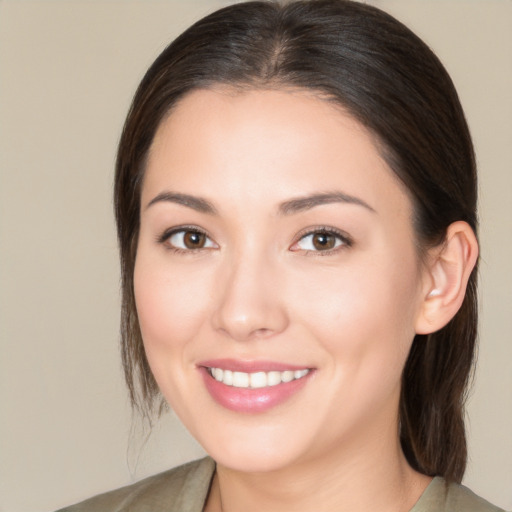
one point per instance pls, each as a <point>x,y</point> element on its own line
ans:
<point>361,58</point>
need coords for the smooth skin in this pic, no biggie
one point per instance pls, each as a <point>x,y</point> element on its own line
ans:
<point>230,265</point>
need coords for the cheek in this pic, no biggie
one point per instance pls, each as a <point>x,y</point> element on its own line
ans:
<point>363,313</point>
<point>169,308</point>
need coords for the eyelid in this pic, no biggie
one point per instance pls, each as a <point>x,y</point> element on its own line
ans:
<point>345,238</point>
<point>168,233</point>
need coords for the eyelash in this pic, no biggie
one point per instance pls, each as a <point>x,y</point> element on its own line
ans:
<point>344,238</point>
<point>167,234</point>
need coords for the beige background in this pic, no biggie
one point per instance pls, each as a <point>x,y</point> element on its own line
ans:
<point>67,73</point>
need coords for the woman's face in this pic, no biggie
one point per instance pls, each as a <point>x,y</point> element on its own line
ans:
<point>277,281</point>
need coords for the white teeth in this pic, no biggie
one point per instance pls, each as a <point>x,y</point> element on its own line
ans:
<point>228,377</point>
<point>300,373</point>
<point>257,379</point>
<point>274,378</point>
<point>287,376</point>
<point>240,380</point>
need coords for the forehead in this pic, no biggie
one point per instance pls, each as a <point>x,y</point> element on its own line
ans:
<point>266,145</point>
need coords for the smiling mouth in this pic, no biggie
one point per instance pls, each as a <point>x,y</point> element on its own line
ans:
<point>255,380</point>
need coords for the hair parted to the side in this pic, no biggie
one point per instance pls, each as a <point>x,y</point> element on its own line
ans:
<point>361,58</point>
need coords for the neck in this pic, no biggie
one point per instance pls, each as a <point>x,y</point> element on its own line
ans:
<point>363,478</point>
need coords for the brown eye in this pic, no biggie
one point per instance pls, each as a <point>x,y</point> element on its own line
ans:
<point>194,240</point>
<point>189,240</point>
<point>323,241</point>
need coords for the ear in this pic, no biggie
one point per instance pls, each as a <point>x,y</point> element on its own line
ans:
<point>446,277</point>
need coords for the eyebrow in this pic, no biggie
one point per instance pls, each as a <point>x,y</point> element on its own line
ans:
<point>289,207</point>
<point>307,202</point>
<point>196,203</point>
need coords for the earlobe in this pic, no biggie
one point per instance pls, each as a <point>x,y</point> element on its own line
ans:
<point>447,274</point>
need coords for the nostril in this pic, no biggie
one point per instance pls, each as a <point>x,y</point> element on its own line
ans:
<point>247,306</point>
<point>248,328</point>
<point>261,333</point>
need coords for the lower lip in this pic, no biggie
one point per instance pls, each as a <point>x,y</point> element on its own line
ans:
<point>250,400</point>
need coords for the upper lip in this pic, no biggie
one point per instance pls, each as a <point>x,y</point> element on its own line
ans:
<point>238,365</point>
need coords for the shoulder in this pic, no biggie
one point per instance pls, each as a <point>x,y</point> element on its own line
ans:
<point>442,497</point>
<point>183,488</point>
<point>462,498</point>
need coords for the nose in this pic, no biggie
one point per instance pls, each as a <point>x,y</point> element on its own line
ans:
<point>250,302</point>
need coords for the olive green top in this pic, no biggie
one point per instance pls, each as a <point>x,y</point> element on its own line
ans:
<point>184,489</point>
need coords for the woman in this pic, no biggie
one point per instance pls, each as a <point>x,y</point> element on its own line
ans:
<point>296,209</point>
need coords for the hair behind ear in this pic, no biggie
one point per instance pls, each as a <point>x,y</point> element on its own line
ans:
<point>440,363</point>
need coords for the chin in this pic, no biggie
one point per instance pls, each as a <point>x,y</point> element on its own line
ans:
<point>252,461</point>
<point>261,449</point>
